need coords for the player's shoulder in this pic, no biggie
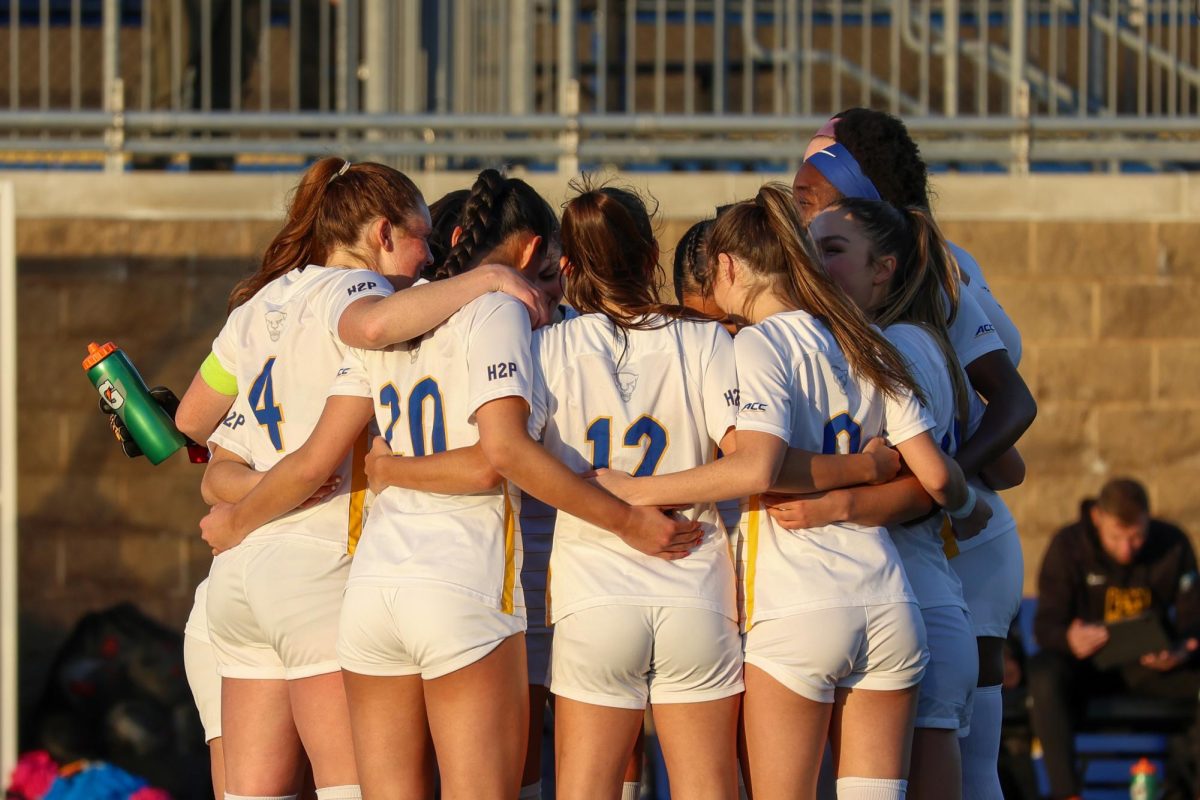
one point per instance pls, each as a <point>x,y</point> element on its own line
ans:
<point>492,303</point>
<point>794,331</point>
<point>698,328</point>
<point>912,340</point>
<point>966,263</point>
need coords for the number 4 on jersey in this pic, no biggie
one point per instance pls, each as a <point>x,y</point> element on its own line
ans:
<point>262,402</point>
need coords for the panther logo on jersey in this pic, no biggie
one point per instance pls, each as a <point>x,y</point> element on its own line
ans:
<point>626,383</point>
<point>275,320</point>
<point>842,376</point>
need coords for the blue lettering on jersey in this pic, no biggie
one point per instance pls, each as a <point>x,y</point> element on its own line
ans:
<point>732,398</point>
<point>234,420</point>
<point>985,329</point>
<point>360,287</point>
<point>343,371</point>
<point>502,370</point>
<point>754,407</point>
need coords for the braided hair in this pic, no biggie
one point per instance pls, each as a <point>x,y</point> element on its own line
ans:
<point>691,260</point>
<point>444,213</point>
<point>497,209</point>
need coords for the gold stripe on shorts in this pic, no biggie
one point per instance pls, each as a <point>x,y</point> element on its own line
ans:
<point>358,491</point>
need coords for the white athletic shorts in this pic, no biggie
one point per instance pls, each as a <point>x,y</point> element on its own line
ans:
<point>944,700</point>
<point>992,576</point>
<point>813,653</point>
<point>273,608</point>
<point>621,656</point>
<point>537,650</point>
<point>406,630</point>
<point>200,666</point>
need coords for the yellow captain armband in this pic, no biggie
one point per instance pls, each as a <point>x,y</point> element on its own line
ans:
<point>217,377</point>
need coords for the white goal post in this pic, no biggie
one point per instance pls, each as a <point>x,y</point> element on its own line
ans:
<point>8,481</point>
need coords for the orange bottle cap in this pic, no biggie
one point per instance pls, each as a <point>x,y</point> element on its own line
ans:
<point>97,353</point>
<point>1143,767</point>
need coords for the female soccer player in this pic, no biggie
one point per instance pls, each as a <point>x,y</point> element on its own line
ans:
<point>631,385</point>
<point>878,159</point>
<point>828,610</point>
<point>432,623</point>
<point>894,265</point>
<point>466,470</point>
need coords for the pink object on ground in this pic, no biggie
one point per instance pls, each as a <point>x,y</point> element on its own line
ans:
<point>33,776</point>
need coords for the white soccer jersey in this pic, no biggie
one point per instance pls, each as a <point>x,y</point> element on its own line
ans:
<point>426,393</point>
<point>282,346</point>
<point>920,544</point>
<point>979,290</point>
<point>652,401</point>
<point>794,383</point>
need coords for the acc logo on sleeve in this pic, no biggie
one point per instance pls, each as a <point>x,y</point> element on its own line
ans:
<point>984,330</point>
<point>360,287</point>
<point>754,407</point>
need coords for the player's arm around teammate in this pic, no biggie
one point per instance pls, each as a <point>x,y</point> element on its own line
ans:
<point>878,160</point>
<point>891,167</point>
<point>273,605</point>
<point>894,265</point>
<point>372,322</point>
<point>628,384</point>
<point>824,388</point>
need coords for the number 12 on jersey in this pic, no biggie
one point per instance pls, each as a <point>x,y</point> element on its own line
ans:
<point>644,429</point>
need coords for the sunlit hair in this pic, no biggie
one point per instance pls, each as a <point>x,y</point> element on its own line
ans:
<point>497,210</point>
<point>925,286</point>
<point>768,237</point>
<point>329,209</point>
<point>444,214</point>
<point>691,260</point>
<point>609,243</point>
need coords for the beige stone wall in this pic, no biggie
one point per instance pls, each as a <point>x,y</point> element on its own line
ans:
<point>1112,352</point>
<point>1102,277</point>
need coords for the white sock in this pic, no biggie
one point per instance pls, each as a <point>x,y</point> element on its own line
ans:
<point>531,792</point>
<point>231,796</point>
<point>631,790</point>
<point>871,789</point>
<point>981,747</point>
<point>350,791</point>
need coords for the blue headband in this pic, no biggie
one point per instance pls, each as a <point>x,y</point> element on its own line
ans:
<point>841,170</point>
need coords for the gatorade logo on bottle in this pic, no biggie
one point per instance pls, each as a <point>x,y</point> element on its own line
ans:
<point>110,394</point>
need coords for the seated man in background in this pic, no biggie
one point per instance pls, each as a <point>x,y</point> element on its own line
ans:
<point>1114,564</point>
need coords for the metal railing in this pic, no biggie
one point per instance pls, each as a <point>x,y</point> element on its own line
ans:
<point>678,83</point>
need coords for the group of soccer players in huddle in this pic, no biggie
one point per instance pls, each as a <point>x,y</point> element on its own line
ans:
<point>465,460</point>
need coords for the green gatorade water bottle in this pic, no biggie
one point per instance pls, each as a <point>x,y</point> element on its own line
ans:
<point>114,376</point>
<point>1143,781</point>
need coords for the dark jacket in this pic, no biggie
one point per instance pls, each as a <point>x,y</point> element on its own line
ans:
<point>1079,580</point>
